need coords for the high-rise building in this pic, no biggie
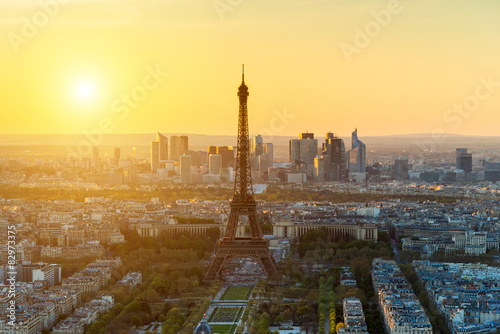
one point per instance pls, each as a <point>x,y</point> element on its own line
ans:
<point>401,169</point>
<point>302,153</point>
<point>257,145</point>
<point>163,146</point>
<point>212,150</point>
<point>185,168</point>
<point>357,155</point>
<point>184,144</point>
<point>227,154</point>
<point>214,163</point>
<point>269,151</point>
<point>196,157</point>
<point>303,150</point>
<point>175,148</point>
<point>464,160</point>
<point>335,158</point>
<point>294,151</point>
<point>155,155</point>
<point>95,155</point>
<point>308,150</point>
<point>261,154</point>
<point>319,168</point>
<point>256,149</point>
<point>117,155</point>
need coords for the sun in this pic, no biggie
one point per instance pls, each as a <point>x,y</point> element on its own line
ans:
<point>85,91</point>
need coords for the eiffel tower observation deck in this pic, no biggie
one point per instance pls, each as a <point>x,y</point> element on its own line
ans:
<point>243,204</point>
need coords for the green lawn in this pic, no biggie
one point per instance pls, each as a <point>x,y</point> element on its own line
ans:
<point>226,314</point>
<point>223,329</point>
<point>237,293</point>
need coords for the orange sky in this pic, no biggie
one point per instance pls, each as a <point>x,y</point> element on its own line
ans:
<point>68,66</point>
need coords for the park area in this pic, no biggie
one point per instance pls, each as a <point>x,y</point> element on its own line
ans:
<point>223,329</point>
<point>237,293</point>
<point>226,314</point>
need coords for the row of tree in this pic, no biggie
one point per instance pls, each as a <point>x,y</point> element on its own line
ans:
<point>272,194</point>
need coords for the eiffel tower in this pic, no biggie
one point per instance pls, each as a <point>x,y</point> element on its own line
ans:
<point>243,204</point>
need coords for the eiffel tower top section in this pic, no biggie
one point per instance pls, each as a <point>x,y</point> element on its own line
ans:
<point>243,191</point>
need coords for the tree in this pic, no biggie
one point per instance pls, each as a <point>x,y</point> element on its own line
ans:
<point>152,295</point>
<point>133,307</point>
<point>136,321</point>
<point>340,324</point>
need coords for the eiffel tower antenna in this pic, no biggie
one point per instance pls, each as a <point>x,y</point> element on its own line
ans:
<point>243,204</point>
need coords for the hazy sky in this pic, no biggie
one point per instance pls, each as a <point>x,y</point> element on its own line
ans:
<point>70,66</point>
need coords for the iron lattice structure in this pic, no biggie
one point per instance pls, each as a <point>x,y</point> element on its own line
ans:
<point>243,204</point>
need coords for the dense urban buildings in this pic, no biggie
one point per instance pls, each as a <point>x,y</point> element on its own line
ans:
<point>402,311</point>
<point>466,293</point>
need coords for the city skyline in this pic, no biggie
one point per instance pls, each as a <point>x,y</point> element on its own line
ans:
<point>306,61</point>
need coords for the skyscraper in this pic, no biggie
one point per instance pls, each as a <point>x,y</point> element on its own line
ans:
<point>155,155</point>
<point>335,158</point>
<point>163,146</point>
<point>464,160</point>
<point>294,151</point>
<point>357,155</point>
<point>269,151</point>
<point>184,144</point>
<point>117,155</point>
<point>227,154</point>
<point>175,147</point>
<point>319,168</point>
<point>214,163</point>
<point>256,149</point>
<point>303,150</point>
<point>212,150</point>
<point>185,169</point>
<point>401,169</point>
<point>308,148</point>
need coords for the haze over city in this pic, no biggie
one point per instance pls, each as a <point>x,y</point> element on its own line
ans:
<point>309,58</point>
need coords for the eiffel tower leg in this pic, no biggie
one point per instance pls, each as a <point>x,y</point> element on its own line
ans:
<point>254,224</point>
<point>269,265</point>
<point>232,223</point>
<point>214,269</point>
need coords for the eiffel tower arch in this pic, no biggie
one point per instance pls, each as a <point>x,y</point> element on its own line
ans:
<point>243,204</point>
